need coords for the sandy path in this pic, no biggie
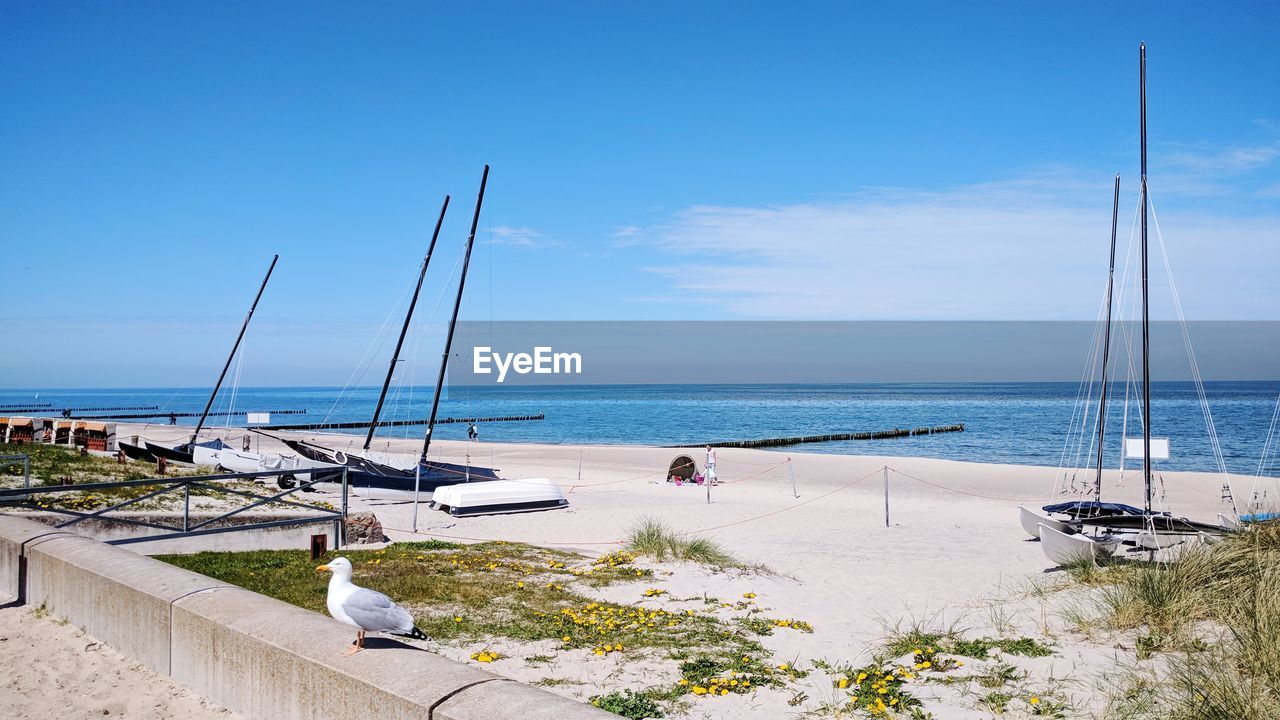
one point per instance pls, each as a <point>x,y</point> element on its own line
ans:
<point>53,670</point>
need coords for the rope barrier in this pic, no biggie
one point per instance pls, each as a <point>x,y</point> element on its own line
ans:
<point>959,492</point>
<point>869,475</point>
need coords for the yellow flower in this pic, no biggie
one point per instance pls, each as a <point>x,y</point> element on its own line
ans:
<point>748,595</point>
<point>699,690</point>
<point>844,683</point>
<point>724,691</point>
<point>1034,700</point>
<point>784,667</point>
<point>457,619</point>
<point>566,638</point>
<point>682,681</point>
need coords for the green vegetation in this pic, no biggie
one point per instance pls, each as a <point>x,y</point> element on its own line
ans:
<point>1215,612</point>
<point>472,594</point>
<point>628,704</point>
<point>61,465</point>
<point>653,539</point>
<point>915,638</point>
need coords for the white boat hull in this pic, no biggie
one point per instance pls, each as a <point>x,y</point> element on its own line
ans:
<point>499,496</point>
<point>1069,548</point>
<point>227,459</point>
<point>1032,520</point>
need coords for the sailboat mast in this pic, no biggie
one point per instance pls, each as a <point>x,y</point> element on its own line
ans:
<point>1106,343</point>
<point>1146,310</point>
<point>205,415</point>
<point>453,321</point>
<point>404,329</point>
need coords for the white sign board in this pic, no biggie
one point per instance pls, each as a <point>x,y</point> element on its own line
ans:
<point>1159,448</point>
<point>258,418</point>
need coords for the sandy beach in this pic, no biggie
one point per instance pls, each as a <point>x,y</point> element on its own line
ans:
<point>56,670</point>
<point>952,555</point>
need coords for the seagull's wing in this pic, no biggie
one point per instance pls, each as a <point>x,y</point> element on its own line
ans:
<point>375,612</point>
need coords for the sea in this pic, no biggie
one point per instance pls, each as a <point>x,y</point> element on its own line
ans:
<point>1026,423</point>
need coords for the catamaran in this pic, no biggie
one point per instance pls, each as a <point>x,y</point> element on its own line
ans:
<point>1089,529</point>
<point>426,475</point>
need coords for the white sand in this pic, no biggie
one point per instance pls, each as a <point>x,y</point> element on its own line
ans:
<point>954,551</point>
<point>53,670</point>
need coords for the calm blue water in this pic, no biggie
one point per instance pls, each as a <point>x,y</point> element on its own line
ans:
<point>1004,422</point>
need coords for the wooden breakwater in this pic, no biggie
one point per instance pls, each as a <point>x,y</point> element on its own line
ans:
<point>403,423</point>
<point>143,416</point>
<point>873,435</point>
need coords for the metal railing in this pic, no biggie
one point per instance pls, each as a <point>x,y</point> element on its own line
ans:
<point>28,498</point>
<point>11,460</point>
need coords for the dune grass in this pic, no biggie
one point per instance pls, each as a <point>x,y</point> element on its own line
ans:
<point>1215,612</point>
<point>652,538</point>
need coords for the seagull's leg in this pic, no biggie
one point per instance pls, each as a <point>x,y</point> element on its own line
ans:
<point>357,646</point>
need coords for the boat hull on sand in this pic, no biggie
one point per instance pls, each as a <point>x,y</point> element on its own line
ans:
<point>497,497</point>
<point>1064,548</point>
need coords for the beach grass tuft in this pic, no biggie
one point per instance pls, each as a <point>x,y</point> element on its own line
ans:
<point>652,538</point>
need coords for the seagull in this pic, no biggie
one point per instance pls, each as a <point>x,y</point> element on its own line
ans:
<point>367,610</point>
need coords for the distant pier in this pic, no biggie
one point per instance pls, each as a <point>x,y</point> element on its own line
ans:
<point>873,435</point>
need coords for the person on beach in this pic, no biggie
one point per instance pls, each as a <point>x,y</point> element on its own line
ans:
<point>473,432</point>
<point>711,464</point>
<point>173,419</point>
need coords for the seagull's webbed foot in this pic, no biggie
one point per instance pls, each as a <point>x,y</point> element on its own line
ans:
<point>356,647</point>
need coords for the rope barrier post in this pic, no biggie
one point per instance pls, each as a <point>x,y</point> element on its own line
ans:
<point>792,469</point>
<point>417,484</point>
<point>579,468</point>
<point>886,496</point>
<point>345,488</point>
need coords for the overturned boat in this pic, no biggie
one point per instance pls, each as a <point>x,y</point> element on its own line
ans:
<point>499,497</point>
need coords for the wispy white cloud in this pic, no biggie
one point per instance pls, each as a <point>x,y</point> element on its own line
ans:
<point>1224,161</point>
<point>1031,248</point>
<point>520,236</point>
<point>627,236</point>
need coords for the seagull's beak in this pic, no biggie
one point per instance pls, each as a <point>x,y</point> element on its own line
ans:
<point>322,568</point>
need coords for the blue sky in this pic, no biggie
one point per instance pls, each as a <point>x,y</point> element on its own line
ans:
<point>650,161</point>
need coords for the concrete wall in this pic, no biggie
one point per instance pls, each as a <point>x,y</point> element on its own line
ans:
<point>258,656</point>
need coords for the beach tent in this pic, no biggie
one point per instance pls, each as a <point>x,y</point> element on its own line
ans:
<point>682,467</point>
<point>62,432</point>
<point>4,429</point>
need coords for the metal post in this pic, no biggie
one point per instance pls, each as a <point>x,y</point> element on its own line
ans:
<point>579,467</point>
<point>886,496</point>
<point>344,504</point>
<point>706,480</point>
<point>186,507</point>
<point>417,484</point>
<point>26,472</point>
<point>791,468</point>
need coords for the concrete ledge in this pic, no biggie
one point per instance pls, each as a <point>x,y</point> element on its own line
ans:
<point>15,534</point>
<point>510,699</point>
<point>267,659</point>
<point>260,657</point>
<point>117,596</point>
